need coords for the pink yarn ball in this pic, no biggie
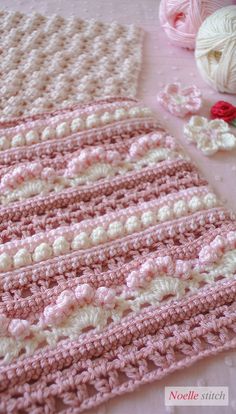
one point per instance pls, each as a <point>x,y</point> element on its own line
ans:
<point>181,19</point>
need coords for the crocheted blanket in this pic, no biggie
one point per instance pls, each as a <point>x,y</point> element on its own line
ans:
<point>117,260</point>
<point>52,62</point>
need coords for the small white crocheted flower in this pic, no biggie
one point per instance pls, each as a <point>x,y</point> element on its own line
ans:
<point>180,101</point>
<point>209,136</point>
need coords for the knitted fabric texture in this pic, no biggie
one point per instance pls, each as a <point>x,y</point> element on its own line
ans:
<point>117,260</point>
<point>52,62</point>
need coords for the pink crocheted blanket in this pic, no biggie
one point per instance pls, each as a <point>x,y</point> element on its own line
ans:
<point>117,260</point>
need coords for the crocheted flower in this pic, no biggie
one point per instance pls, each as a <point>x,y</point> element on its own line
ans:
<point>209,136</point>
<point>224,110</point>
<point>180,102</point>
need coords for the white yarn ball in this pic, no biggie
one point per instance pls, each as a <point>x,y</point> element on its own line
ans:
<point>216,50</point>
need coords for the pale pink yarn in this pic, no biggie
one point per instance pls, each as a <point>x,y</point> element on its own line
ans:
<point>180,101</point>
<point>181,19</point>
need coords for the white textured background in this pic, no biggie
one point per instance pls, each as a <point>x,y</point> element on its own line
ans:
<point>163,63</point>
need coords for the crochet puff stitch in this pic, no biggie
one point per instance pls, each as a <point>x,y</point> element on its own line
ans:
<point>117,259</point>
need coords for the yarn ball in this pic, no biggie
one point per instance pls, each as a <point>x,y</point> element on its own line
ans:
<point>216,50</point>
<point>181,19</point>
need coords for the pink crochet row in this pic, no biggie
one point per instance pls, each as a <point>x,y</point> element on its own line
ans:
<point>116,258</point>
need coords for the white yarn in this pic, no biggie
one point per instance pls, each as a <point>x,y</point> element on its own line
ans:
<point>61,246</point>
<point>216,50</point>
<point>54,62</point>
<point>115,230</point>
<point>148,218</point>
<point>98,235</point>
<point>81,241</point>
<point>42,252</point>
<point>22,258</point>
<point>132,224</point>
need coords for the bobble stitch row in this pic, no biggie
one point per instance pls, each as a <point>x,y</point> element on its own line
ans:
<point>148,142</point>
<point>182,207</point>
<point>78,124</point>
<point>88,157</point>
<point>162,265</point>
<point>99,234</point>
<point>84,294</point>
<point>24,173</point>
<point>212,252</point>
<point>56,314</point>
<point>19,174</point>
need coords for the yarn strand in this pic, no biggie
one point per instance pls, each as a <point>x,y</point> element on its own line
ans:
<point>216,50</point>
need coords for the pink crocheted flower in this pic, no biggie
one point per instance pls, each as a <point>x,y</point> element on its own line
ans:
<point>180,102</point>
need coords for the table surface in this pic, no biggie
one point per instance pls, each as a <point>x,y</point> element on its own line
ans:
<point>162,63</point>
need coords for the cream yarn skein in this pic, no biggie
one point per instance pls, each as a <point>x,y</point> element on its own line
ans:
<point>181,19</point>
<point>216,50</point>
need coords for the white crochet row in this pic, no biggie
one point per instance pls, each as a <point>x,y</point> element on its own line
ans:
<point>85,235</point>
<point>64,129</point>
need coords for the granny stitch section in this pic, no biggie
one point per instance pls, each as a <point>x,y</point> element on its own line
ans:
<point>117,260</point>
<point>52,62</point>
